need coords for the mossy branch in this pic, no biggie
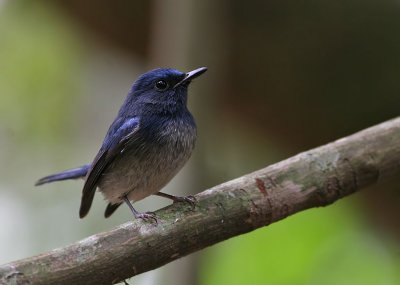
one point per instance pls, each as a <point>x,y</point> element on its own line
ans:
<point>314,178</point>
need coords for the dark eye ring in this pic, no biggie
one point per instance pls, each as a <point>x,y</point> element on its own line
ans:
<point>161,85</point>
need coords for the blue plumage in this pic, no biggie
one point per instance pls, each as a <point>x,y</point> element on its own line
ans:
<point>149,141</point>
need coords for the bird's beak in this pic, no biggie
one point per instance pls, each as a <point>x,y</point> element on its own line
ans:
<point>191,75</point>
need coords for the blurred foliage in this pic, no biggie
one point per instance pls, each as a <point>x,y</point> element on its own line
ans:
<point>332,245</point>
<point>39,71</point>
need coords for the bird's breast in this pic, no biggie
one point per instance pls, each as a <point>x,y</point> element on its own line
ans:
<point>146,165</point>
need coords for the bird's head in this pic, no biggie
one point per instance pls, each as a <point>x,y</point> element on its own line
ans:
<point>161,89</point>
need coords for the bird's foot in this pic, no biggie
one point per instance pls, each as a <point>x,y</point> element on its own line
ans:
<point>144,216</point>
<point>187,199</point>
<point>147,216</point>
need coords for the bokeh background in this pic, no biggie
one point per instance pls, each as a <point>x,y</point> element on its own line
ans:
<point>284,76</point>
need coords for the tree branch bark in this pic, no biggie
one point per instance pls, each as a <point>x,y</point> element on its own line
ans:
<point>314,178</point>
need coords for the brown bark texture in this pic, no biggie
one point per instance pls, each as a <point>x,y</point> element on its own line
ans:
<point>314,178</point>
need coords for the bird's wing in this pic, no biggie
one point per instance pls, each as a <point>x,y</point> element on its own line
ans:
<point>120,133</point>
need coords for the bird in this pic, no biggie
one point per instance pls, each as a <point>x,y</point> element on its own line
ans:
<point>149,141</point>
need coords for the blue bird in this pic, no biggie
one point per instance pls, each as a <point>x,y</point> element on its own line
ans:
<point>148,142</point>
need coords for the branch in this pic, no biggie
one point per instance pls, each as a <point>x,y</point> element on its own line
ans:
<point>314,178</point>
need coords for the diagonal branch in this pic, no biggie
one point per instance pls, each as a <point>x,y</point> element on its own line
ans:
<point>314,178</point>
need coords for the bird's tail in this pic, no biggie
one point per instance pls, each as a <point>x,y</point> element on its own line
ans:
<point>75,173</point>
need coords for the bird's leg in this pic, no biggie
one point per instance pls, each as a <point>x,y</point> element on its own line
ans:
<point>144,216</point>
<point>188,199</point>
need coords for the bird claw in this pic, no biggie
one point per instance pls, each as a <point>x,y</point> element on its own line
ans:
<point>147,216</point>
<point>187,199</point>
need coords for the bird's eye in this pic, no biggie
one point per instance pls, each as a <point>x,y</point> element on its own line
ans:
<point>161,85</point>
